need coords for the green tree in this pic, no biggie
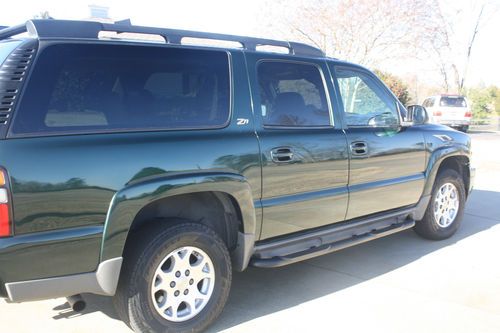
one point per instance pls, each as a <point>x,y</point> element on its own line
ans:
<point>398,87</point>
<point>485,101</point>
<point>495,94</point>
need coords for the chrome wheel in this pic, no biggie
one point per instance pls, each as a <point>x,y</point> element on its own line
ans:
<point>446,204</point>
<point>183,284</point>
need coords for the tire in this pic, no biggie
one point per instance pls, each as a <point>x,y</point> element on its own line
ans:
<point>182,247</point>
<point>464,129</point>
<point>442,217</point>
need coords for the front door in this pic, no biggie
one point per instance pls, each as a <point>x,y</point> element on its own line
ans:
<point>387,161</point>
<point>304,155</point>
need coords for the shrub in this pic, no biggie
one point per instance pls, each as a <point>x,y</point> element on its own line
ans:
<point>398,87</point>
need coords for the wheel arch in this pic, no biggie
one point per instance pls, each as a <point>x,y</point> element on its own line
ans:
<point>447,158</point>
<point>185,196</point>
<point>215,209</point>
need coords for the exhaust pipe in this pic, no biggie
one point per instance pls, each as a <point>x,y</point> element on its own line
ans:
<point>76,302</point>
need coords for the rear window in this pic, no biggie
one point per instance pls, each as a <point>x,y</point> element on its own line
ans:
<point>453,101</point>
<point>91,88</point>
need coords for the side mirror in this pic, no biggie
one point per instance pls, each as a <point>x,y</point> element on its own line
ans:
<point>417,114</point>
<point>383,120</point>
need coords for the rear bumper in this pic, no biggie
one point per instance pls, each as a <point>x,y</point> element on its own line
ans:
<point>454,123</point>
<point>101,282</point>
<point>36,258</point>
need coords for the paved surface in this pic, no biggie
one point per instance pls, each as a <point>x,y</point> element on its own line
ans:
<point>397,284</point>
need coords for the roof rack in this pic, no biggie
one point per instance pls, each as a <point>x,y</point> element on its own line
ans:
<point>7,32</point>
<point>91,30</point>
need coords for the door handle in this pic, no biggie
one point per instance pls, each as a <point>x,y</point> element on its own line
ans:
<point>282,154</point>
<point>359,148</point>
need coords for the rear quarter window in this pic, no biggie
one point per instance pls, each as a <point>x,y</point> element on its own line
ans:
<point>90,88</point>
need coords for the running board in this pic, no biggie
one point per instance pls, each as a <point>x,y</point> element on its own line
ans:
<point>278,261</point>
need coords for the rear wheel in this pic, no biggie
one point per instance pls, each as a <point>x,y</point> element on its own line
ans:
<point>464,129</point>
<point>445,211</point>
<point>174,280</point>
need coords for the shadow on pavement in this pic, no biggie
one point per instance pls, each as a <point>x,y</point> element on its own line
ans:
<point>259,292</point>
<point>95,303</point>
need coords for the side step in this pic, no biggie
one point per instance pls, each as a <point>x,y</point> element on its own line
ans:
<point>282,260</point>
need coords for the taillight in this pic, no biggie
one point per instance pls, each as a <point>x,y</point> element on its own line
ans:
<point>437,113</point>
<point>5,220</point>
<point>468,114</point>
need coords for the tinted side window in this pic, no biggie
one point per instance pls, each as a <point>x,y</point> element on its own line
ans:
<point>86,88</point>
<point>364,99</point>
<point>292,94</point>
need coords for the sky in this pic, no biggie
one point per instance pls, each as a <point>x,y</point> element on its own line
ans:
<point>242,18</point>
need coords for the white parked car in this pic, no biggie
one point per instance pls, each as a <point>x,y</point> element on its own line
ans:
<point>451,110</point>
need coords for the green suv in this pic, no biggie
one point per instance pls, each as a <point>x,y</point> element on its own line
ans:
<point>149,171</point>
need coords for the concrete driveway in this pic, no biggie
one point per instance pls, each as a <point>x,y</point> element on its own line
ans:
<point>401,283</point>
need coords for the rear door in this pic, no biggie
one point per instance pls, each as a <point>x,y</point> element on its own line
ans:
<point>304,153</point>
<point>387,161</point>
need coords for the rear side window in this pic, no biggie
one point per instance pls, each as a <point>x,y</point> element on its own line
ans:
<point>292,94</point>
<point>88,88</point>
<point>453,102</point>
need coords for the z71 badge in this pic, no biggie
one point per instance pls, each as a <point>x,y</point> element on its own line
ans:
<point>242,121</point>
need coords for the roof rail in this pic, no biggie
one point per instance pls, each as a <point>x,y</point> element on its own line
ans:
<point>91,30</point>
<point>7,32</point>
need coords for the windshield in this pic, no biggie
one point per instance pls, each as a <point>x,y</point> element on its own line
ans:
<point>6,48</point>
<point>453,101</point>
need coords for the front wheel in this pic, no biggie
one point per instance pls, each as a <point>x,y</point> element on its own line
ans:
<point>446,208</point>
<point>174,280</point>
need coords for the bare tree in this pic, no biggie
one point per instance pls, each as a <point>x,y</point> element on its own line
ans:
<point>452,49</point>
<point>380,32</point>
<point>437,46</point>
<point>364,31</point>
<point>469,49</point>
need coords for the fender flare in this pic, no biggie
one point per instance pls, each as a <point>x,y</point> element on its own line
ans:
<point>436,159</point>
<point>127,203</point>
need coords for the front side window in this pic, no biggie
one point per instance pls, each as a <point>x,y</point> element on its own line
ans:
<point>292,95</point>
<point>85,88</point>
<point>366,103</point>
